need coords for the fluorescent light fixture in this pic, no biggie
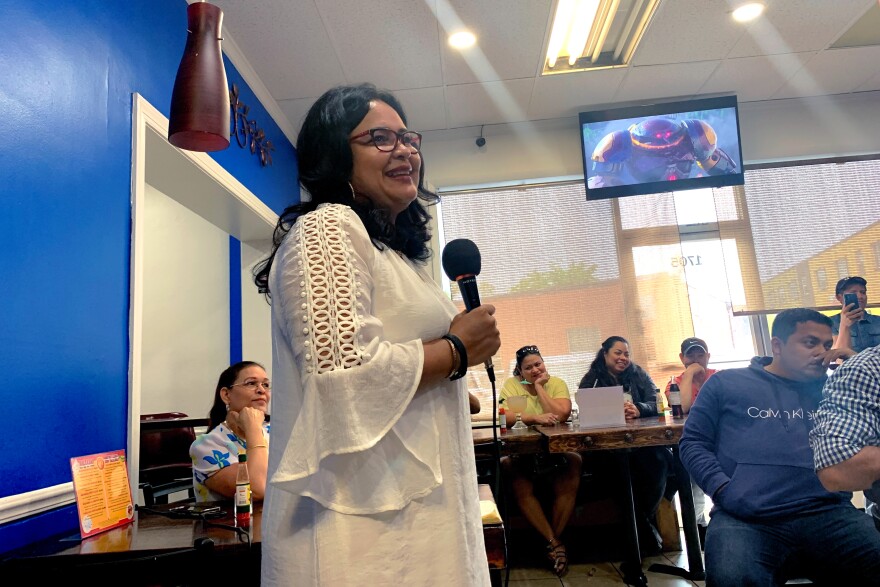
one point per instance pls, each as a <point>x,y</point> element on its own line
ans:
<point>462,39</point>
<point>559,32</point>
<point>748,12</point>
<point>581,25</point>
<point>585,34</point>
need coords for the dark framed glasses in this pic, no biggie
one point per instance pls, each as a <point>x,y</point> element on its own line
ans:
<point>386,139</point>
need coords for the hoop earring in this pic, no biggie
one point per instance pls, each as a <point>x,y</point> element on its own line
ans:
<point>351,187</point>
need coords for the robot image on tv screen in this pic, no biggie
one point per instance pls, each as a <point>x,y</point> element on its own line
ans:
<point>667,147</point>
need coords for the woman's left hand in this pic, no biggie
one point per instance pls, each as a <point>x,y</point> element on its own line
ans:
<point>631,411</point>
<point>546,419</point>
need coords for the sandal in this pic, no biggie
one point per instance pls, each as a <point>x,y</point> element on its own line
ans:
<point>558,557</point>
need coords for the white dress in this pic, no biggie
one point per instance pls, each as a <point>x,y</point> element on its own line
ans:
<point>371,482</point>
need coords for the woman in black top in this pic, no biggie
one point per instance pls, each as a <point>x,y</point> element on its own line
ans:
<point>649,466</point>
<point>612,366</point>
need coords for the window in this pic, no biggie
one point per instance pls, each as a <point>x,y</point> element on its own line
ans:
<point>565,274</point>
<point>788,233</point>
<point>821,279</point>
<point>584,340</point>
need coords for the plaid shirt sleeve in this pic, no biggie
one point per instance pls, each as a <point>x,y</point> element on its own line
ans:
<point>848,418</point>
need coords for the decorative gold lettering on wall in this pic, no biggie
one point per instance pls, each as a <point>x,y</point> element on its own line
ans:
<point>246,132</point>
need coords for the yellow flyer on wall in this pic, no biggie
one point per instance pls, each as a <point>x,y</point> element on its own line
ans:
<point>103,496</point>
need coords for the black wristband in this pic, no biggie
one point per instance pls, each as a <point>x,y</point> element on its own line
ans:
<point>462,356</point>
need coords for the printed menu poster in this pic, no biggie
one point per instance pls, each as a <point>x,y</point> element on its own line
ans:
<point>103,497</point>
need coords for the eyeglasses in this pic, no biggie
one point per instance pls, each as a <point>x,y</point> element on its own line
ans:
<point>527,350</point>
<point>386,139</point>
<point>253,385</point>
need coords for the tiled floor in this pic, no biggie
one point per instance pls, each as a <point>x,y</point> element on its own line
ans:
<point>601,574</point>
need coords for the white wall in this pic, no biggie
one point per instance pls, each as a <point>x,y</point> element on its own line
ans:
<point>775,130</point>
<point>186,307</point>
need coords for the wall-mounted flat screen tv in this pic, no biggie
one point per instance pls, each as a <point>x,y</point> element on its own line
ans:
<point>661,147</point>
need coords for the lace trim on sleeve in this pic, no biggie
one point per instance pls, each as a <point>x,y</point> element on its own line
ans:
<point>331,286</point>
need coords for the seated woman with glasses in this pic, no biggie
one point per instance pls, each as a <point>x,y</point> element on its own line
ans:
<point>237,424</point>
<point>548,402</point>
<point>649,465</point>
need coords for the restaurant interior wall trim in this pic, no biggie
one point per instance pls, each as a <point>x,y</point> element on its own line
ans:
<point>71,69</point>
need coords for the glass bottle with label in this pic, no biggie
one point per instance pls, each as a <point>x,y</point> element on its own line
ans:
<point>675,399</point>
<point>242,502</point>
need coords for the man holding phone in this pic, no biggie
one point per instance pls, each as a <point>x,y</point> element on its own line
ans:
<point>854,328</point>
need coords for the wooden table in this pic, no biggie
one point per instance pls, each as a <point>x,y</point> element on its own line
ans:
<point>151,550</point>
<point>513,442</point>
<point>636,433</point>
<point>642,432</point>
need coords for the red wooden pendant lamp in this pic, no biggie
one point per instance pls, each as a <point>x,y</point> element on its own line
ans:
<point>200,100</point>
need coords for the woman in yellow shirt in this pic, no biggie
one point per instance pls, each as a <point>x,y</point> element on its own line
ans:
<point>548,403</point>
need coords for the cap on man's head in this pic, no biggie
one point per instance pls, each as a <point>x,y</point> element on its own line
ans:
<point>848,281</point>
<point>692,342</point>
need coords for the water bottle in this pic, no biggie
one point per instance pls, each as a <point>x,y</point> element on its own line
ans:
<point>575,416</point>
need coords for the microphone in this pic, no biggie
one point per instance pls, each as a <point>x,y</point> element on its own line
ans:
<point>461,263</point>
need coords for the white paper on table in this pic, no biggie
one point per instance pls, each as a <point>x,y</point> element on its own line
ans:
<point>600,406</point>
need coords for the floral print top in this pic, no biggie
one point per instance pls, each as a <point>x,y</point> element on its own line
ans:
<point>213,451</point>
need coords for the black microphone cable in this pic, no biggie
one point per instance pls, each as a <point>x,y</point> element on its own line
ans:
<point>462,263</point>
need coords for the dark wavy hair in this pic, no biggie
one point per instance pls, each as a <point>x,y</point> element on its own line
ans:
<point>600,369</point>
<point>325,166</point>
<point>227,378</point>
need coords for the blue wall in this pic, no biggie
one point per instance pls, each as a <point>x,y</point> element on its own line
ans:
<point>67,73</point>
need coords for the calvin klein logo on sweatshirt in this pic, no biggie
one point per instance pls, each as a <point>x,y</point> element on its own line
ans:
<point>797,414</point>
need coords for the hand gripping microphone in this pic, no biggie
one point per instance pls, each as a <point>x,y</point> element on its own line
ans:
<point>461,263</point>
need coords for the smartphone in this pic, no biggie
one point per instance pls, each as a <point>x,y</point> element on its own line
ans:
<point>851,298</point>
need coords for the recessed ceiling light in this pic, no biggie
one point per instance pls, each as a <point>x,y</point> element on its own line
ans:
<point>748,12</point>
<point>462,39</point>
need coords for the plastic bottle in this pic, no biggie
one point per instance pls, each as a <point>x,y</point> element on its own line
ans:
<point>575,416</point>
<point>502,415</point>
<point>675,400</point>
<point>661,408</point>
<point>242,501</point>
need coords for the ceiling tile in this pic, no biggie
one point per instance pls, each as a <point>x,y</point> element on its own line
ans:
<point>285,42</point>
<point>425,108</point>
<point>688,30</point>
<point>566,94</point>
<point>664,81</point>
<point>510,39</point>
<point>393,43</point>
<point>488,102</point>
<point>835,71</point>
<point>296,110</point>
<point>301,48</point>
<point>794,26</point>
<point>754,78</point>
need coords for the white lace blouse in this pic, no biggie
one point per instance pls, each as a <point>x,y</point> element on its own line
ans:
<point>350,430</point>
